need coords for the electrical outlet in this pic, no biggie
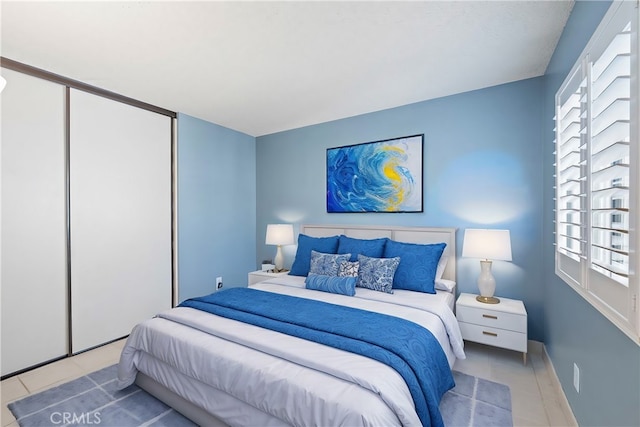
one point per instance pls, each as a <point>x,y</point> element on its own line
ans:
<point>218,282</point>
<point>576,378</point>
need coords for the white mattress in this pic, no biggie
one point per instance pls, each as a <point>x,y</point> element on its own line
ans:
<point>247,375</point>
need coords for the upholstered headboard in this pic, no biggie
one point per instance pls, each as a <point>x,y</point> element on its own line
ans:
<point>421,235</point>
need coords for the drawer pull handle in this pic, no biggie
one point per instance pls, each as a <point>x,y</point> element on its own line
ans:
<point>488,316</point>
<point>490,333</point>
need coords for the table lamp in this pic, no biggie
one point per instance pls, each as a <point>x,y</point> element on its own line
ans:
<point>279,234</point>
<point>488,245</point>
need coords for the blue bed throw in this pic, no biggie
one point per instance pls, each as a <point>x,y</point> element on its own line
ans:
<point>407,347</point>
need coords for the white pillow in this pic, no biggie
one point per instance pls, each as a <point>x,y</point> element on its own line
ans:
<point>445,285</point>
<point>442,264</point>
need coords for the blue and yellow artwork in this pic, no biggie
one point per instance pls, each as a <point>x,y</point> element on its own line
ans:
<point>381,176</point>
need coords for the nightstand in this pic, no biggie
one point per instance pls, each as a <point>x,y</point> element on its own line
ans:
<point>261,276</point>
<point>500,325</point>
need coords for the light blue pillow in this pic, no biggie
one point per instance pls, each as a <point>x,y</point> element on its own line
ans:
<point>326,264</point>
<point>373,248</point>
<point>418,265</point>
<point>377,273</point>
<point>302,263</point>
<point>333,284</point>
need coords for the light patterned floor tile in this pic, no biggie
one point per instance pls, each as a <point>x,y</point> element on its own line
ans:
<point>119,345</point>
<point>6,416</point>
<point>98,358</point>
<point>530,407</point>
<point>555,413</point>
<point>476,363</point>
<point>521,384</point>
<point>524,422</point>
<point>53,373</point>
<point>12,389</point>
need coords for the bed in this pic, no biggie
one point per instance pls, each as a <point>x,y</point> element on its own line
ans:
<point>218,370</point>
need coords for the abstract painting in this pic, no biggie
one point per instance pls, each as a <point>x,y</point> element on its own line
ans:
<point>380,176</point>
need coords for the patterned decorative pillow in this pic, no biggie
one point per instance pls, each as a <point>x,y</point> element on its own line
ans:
<point>348,269</point>
<point>377,273</point>
<point>327,245</point>
<point>417,270</point>
<point>326,264</point>
<point>368,247</point>
<point>333,284</point>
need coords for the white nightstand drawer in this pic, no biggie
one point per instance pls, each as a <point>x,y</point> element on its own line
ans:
<point>495,337</point>
<point>492,318</point>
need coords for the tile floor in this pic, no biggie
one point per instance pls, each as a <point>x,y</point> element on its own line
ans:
<point>54,374</point>
<point>534,398</point>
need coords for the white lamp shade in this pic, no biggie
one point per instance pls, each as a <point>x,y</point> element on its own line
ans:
<point>487,244</point>
<point>279,234</point>
<point>3,83</point>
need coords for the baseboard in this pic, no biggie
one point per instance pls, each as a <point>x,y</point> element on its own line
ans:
<point>564,403</point>
<point>534,347</point>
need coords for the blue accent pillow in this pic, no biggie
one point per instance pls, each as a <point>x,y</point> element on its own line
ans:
<point>377,273</point>
<point>418,265</point>
<point>302,263</point>
<point>326,264</point>
<point>348,269</point>
<point>373,248</point>
<point>333,284</point>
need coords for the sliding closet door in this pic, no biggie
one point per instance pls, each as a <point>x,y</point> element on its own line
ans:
<point>120,217</point>
<point>34,264</point>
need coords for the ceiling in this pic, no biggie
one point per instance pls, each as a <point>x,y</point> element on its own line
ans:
<point>264,67</point>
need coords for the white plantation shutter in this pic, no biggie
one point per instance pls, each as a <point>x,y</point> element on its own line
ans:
<point>597,164</point>
<point>570,176</point>
<point>611,96</point>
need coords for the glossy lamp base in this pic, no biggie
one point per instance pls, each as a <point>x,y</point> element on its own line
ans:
<point>488,300</point>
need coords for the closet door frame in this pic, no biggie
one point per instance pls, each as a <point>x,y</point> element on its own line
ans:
<point>75,84</point>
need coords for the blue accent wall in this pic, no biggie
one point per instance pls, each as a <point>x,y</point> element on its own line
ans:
<point>216,206</point>
<point>488,162</point>
<point>575,332</point>
<point>482,168</point>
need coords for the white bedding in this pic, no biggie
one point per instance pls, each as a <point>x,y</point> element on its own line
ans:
<point>212,361</point>
<point>399,296</point>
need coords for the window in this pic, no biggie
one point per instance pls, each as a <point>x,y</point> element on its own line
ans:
<point>598,171</point>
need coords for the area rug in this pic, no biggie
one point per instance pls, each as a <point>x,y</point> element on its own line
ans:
<point>94,400</point>
<point>476,402</point>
